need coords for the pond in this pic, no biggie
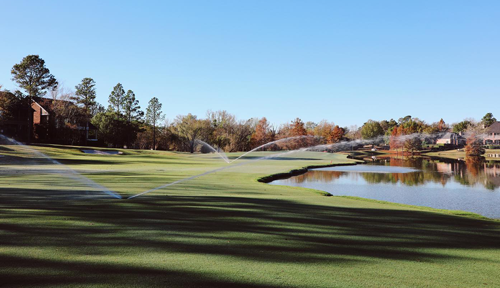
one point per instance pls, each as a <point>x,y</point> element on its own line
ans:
<point>469,185</point>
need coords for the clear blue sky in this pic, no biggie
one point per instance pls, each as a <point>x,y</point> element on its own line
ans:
<point>344,61</point>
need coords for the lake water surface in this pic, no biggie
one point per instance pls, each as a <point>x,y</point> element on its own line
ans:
<point>470,185</point>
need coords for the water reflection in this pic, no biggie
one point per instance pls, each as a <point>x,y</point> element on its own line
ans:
<point>469,185</point>
<point>472,171</point>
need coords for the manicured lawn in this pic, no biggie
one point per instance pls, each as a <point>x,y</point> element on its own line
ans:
<point>222,229</point>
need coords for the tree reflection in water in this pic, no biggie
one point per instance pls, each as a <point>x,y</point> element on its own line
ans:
<point>318,177</point>
<point>472,171</point>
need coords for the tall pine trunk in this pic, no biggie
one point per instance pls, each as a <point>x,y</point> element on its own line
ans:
<point>154,136</point>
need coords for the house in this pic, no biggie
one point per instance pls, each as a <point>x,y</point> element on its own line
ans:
<point>492,136</point>
<point>40,115</point>
<point>451,138</point>
<point>60,121</point>
<point>53,121</point>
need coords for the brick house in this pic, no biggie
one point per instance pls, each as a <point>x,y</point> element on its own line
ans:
<point>40,115</point>
<point>451,138</point>
<point>54,121</point>
<point>492,135</point>
<point>60,121</point>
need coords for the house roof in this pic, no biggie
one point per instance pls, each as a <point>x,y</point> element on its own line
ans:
<point>48,103</point>
<point>494,128</point>
<point>44,112</point>
<point>447,135</point>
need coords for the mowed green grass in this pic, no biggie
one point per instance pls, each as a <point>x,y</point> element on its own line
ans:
<point>455,154</point>
<point>223,229</point>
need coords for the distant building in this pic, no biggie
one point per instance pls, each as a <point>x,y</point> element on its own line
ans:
<point>53,124</point>
<point>54,121</point>
<point>492,136</point>
<point>40,115</point>
<point>451,138</point>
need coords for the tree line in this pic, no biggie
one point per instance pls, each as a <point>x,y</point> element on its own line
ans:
<point>397,133</point>
<point>124,124</point>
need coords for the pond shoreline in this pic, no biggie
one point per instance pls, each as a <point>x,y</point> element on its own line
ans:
<point>303,170</point>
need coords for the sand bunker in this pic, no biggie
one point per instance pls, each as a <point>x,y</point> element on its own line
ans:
<point>102,152</point>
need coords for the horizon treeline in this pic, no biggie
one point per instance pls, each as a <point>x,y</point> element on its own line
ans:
<point>124,124</point>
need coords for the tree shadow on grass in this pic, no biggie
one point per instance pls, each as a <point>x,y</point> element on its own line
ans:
<point>50,273</point>
<point>249,229</point>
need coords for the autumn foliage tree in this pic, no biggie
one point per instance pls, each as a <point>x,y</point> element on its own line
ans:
<point>323,130</point>
<point>413,144</point>
<point>441,125</point>
<point>407,134</point>
<point>394,140</point>
<point>297,128</point>
<point>474,146</point>
<point>262,134</point>
<point>336,135</point>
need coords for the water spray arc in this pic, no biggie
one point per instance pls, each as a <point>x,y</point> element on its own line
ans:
<point>66,171</point>
<point>341,146</point>
<point>274,142</point>
<point>221,153</point>
<point>226,159</point>
<point>215,170</point>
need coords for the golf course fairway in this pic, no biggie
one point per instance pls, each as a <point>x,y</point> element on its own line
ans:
<point>222,229</point>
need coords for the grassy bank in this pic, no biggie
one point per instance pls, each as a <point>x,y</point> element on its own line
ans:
<point>223,229</point>
<point>455,154</point>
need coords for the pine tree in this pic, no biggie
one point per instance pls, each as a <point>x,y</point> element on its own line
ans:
<point>153,115</point>
<point>85,96</point>
<point>32,76</point>
<point>131,107</point>
<point>116,98</point>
